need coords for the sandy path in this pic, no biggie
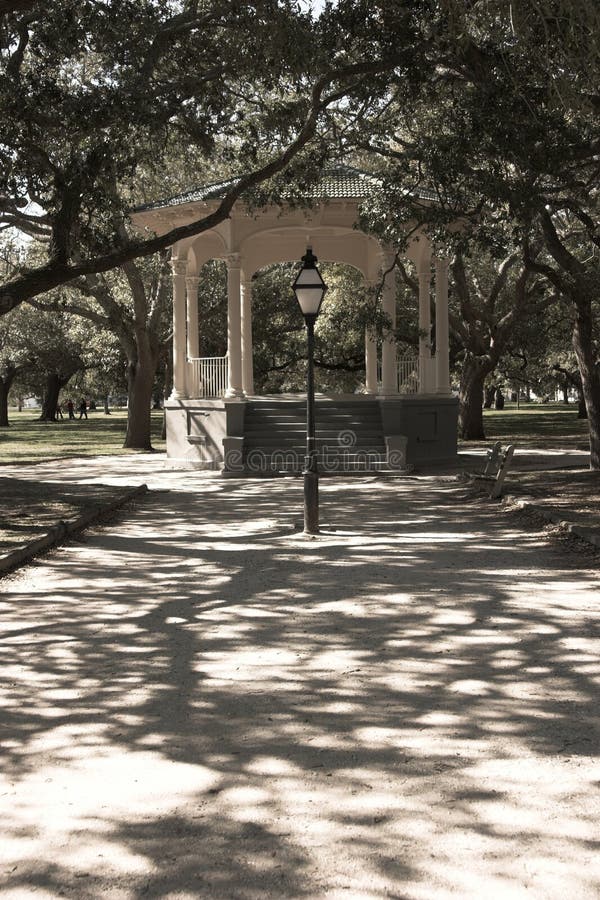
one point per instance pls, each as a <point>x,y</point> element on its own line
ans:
<point>198,702</point>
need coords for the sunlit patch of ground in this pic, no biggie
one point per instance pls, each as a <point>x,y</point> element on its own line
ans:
<point>199,702</point>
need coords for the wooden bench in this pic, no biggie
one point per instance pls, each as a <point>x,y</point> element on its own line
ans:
<point>496,466</point>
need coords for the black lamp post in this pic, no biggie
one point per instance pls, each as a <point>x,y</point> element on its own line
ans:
<point>310,289</point>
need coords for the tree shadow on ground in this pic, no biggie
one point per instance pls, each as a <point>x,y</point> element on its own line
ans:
<point>204,701</point>
<point>29,508</point>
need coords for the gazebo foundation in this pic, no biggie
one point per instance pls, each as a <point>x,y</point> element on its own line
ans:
<point>355,433</point>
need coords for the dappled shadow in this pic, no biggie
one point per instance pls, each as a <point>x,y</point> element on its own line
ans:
<point>30,507</point>
<point>210,703</point>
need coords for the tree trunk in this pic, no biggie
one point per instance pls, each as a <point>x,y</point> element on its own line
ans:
<point>470,400</point>
<point>106,409</point>
<point>140,382</point>
<point>4,389</point>
<point>50,399</point>
<point>490,393</point>
<point>583,344</point>
<point>573,379</point>
<point>6,381</point>
<point>565,392</point>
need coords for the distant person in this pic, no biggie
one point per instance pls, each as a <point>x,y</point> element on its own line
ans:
<point>83,408</point>
<point>71,409</point>
<point>59,412</point>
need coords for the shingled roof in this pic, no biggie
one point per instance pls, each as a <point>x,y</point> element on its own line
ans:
<point>338,183</point>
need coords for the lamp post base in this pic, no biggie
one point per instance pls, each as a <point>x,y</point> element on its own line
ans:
<point>311,502</point>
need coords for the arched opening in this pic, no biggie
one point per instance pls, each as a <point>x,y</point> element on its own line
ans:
<point>212,309</point>
<point>278,333</point>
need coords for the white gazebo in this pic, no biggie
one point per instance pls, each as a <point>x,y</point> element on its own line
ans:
<point>214,418</point>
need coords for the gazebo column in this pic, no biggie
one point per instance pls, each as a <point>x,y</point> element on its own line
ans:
<point>442,349</point>
<point>370,361</point>
<point>389,362</point>
<point>424,327</point>
<point>234,327</point>
<point>193,338</point>
<point>247,354</point>
<point>179,267</point>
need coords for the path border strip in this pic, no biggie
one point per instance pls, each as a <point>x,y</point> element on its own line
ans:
<point>63,530</point>
<point>581,531</point>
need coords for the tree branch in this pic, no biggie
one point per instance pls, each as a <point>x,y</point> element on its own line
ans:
<point>58,271</point>
<point>557,249</point>
<point>178,24</point>
<point>501,279</point>
<point>55,305</point>
<point>7,7</point>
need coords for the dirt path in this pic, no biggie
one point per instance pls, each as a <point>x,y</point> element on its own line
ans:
<point>199,702</point>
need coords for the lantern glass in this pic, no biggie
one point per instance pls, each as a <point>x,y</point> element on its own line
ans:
<point>309,287</point>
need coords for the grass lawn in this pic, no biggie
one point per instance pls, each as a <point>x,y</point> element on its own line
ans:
<point>537,425</point>
<point>27,439</point>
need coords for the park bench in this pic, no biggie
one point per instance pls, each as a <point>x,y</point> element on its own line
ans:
<point>496,466</point>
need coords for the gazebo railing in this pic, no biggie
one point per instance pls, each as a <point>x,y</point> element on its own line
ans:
<point>207,376</point>
<point>411,373</point>
<point>408,375</point>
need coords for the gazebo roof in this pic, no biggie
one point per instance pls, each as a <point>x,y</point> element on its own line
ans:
<point>338,183</point>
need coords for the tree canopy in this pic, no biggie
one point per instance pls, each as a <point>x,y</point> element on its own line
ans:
<point>478,113</point>
<point>502,144</point>
<point>97,94</point>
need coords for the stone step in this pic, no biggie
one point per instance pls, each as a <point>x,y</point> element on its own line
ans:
<point>329,422</point>
<point>320,422</point>
<point>289,462</point>
<point>272,442</point>
<point>349,435</point>
<point>300,451</point>
<point>284,409</point>
<point>358,408</point>
<point>332,434</point>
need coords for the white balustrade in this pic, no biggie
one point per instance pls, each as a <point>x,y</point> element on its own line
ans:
<point>207,377</point>
<point>408,375</point>
<point>412,372</point>
<point>407,368</point>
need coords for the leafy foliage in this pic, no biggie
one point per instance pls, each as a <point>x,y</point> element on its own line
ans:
<point>279,339</point>
<point>98,95</point>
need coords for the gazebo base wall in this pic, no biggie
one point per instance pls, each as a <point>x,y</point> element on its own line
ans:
<point>209,434</point>
<point>428,421</point>
<point>196,430</point>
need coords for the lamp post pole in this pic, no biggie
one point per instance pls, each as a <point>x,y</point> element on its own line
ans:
<point>311,469</point>
<point>310,289</point>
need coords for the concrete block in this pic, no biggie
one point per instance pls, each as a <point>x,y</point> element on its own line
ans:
<point>396,446</point>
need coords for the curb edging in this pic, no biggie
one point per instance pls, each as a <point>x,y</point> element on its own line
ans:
<point>56,534</point>
<point>580,531</point>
